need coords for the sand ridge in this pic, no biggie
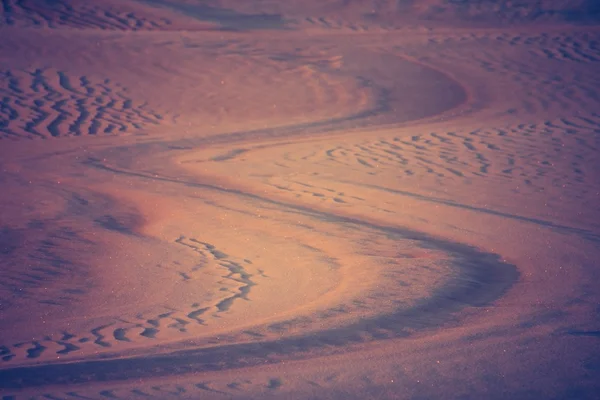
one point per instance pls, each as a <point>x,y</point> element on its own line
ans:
<point>265,210</point>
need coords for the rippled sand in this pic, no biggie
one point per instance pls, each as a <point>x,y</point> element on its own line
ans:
<point>287,201</point>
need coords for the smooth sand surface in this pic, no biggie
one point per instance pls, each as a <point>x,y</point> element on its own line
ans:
<point>297,200</point>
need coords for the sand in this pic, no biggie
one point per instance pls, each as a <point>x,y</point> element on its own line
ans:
<point>295,200</point>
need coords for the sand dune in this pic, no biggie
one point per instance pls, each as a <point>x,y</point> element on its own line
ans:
<point>337,200</point>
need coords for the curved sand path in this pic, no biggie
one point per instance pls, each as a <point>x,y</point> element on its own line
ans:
<point>319,228</point>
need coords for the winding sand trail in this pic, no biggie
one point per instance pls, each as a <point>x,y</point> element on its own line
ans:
<point>190,212</point>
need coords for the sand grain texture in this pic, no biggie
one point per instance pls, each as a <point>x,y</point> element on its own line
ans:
<point>288,200</point>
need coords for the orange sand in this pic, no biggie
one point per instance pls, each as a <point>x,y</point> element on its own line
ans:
<point>394,205</point>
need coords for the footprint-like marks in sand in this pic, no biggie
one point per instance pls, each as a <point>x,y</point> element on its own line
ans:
<point>78,15</point>
<point>312,193</point>
<point>554,157</point>
<point>45,103</point>
<point>332,23</point>
<point>133,331</point>
<point>525,154</point>
<point>234,271</point>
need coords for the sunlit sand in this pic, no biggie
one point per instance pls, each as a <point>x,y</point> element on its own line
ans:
<point>299,200</point>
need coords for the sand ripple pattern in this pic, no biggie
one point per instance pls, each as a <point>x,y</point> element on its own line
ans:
<point>44,103</point>
<point>142,328</point>
<point>509,155</point>
<point>78,15</point>
<point>579,47</point>
<point>199,389</point>
<point>551,73</point>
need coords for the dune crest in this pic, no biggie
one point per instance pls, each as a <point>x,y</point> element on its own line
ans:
<point>299,199</point>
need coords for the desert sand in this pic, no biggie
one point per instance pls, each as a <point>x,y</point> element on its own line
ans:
<point>293,200</point>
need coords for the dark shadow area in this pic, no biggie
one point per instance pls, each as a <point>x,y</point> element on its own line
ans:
<point>228,19</point>
<point>116,224</point>
<point>10,240</point>
<point>481,279</point>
